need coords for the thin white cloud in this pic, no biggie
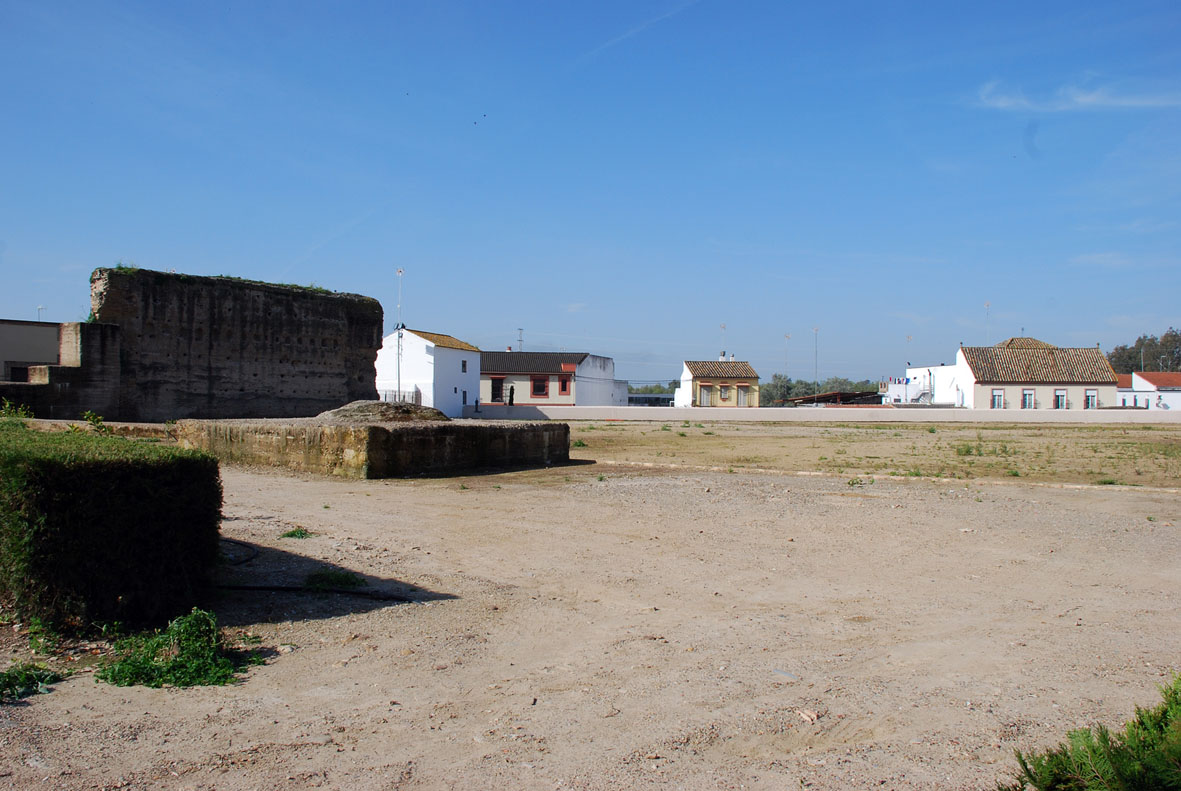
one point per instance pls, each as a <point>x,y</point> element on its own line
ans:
<point>1073,98</point>
<point>1103,260</point>
<point>576,307</point>
<point>638,29</point>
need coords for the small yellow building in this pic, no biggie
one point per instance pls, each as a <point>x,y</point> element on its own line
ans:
<point>718,383</point>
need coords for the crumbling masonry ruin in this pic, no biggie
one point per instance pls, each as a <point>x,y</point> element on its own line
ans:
<point>163,346</point>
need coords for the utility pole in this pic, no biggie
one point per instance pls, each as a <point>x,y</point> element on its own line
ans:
<point>400,327</point>
<point>786,338</point>
<point>816,359</point>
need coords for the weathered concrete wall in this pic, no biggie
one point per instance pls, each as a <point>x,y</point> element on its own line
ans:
<point>86,379</point>
<point>221,347</point>
<point>387,450</point>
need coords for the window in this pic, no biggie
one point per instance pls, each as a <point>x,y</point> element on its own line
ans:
<point>564,385</point>
<point>463,366</point>
<point>998,399</point>
<point>465,397</point>
<point>1060,399</point>
<point>724,392</point>
<point>1091,399</point>
<point>742,391</point>
<point>1028,401</point>
<point>705,395</point>
<point>540,386</point>
<point>497,390</point>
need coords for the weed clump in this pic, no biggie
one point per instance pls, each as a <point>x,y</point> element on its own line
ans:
<point>1147,754</point>
<point>297,532</point>
<point>189,652</point>
<point>20,681</point>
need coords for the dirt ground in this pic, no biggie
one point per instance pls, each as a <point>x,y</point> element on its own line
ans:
<point>610,625</point>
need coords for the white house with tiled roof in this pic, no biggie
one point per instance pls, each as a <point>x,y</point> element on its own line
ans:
<point>550,379</point>
<point>1019,373</point>
<point>433,370</point>
<point>720,383</point>
<point>1154,390</point>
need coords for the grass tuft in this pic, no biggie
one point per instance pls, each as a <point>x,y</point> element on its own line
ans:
<point>189,652</point>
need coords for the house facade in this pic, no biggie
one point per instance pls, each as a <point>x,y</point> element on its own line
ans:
<point>550,378</point>
<point>1152,390</point>
<point>717,383</point>
<point>436,370</point>
<point>1019,373</point>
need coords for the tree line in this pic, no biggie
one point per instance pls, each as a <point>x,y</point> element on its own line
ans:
<point>1148,353</point>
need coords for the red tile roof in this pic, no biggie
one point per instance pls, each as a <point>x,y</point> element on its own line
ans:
<point>446,341</point>
<point>1166,379</point>
<point>721,369</point>
<point>1123,381</point>
<point>1029,364</point>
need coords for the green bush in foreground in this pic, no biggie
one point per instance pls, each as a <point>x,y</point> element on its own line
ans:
<point>189,652</point>
<point>20,681</point>
<point>1147,755</point>
<point>96,529</point>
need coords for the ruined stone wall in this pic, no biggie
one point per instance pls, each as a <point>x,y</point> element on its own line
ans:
<point>218,347</point>
<point>87,377</point>
<point>386,450</point>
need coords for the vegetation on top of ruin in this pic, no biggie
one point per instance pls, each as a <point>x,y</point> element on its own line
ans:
<point>130,269</point>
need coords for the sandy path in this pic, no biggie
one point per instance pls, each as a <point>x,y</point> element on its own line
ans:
<point>693,630</point>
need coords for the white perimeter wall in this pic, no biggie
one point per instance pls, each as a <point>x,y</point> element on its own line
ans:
<point>683,396</point>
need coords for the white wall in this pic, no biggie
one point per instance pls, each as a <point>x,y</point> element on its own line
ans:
<point>594,382</point>
<point>683,395</point>
<point>452,383</point>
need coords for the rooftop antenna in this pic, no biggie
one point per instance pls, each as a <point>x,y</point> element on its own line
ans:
<point>520,339</point>
<point>786,340</point>
<point>400,326</point>
<point>39,309</point>
<point>987,339</point>
<point>723,338</point>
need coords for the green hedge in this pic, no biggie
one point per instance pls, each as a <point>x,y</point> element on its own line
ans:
<point>97,529</point>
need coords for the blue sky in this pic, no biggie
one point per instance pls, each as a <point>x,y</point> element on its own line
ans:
<point>615,177</point>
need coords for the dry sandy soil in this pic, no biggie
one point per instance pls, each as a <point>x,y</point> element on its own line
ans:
<point>604,626</point>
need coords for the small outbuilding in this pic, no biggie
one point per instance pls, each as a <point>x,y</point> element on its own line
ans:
<point>718,383</point>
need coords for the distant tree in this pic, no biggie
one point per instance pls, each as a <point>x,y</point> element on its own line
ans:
<point>654,388</point>
<point>1158,354</point>
<point>775,392</point>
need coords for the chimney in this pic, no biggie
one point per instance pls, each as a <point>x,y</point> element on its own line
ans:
<point>722,356</point>
<point>731,358</point>
<point>509,349</point>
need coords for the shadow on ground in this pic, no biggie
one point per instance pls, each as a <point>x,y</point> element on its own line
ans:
<point>259,584</point>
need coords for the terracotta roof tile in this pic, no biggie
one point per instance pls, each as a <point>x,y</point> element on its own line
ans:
<point>528,362</point>
<point>1123,381</point>
<point>1038,365</point>
<point>446,341</point>
<point>722,369</point>
<point>1167,379</point>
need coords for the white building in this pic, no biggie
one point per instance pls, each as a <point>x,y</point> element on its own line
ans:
<point>1151,390</point>
<point>553,378</point>
<point>436,370</point>
<point>1019,373</point>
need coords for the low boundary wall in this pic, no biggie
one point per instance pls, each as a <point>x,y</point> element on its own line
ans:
<point>842,414</point>
<point>380,450</point>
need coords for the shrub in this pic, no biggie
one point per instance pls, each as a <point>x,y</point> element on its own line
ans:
<point>297,532</point>
<point>189,652</point>
<point>95,528</point>
<point>20,681</point>
<point>1146,755</point>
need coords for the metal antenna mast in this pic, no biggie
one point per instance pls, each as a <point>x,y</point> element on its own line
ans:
<point>400,327</point>
<point>520,339</point>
